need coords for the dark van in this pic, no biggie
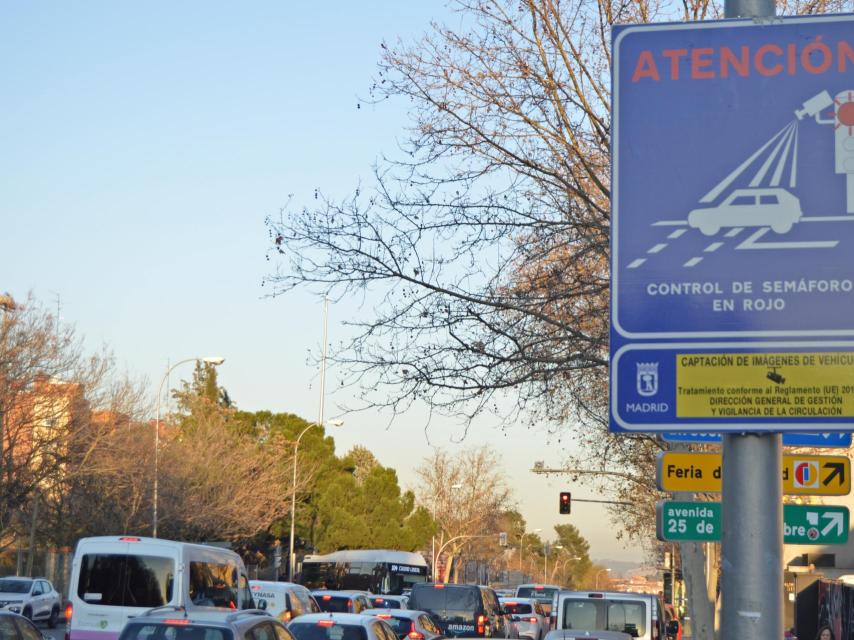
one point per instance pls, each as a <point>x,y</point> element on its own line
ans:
<point>461,610</point>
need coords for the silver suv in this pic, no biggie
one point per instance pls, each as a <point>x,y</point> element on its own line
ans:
<point>33,598</point>
<point>176,623</point>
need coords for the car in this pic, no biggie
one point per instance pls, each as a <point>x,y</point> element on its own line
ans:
<point>389,602</point>
<point>16,627</point>
<point>340,626</point>
<point>542,593</point>
<point>33,598</point>
<point>114,578</point>
<point>772,207</point>
<point>529,616</point>
<point>463,610</point>
<point>342,601</point>
<point>283,600</point>
<point>178,623</point>
<point>640,615</point>
<point>579,634</point>
<point>408,623</point>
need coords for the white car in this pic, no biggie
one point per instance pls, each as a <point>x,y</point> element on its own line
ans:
<point>528,615</point>
<point>33,598</point>
<point>771,207</point>
<point>340,626</point>
<point>579,634</point>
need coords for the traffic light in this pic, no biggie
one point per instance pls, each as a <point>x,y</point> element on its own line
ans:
<point>565,502</point>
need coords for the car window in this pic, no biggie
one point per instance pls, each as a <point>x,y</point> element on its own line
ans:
<point>47,587</point>
<point>137,631</point>
<point>388,631</point>
<point>427,623</point>
<point>741,201</point>
<point>517,608</point>
<point>15,586</point>
<point>628,617</point>
<point>334,604</point>
<point>320,631</point>
<point>37,588</point>
<point>7,628</point>
<point>769,199</point>
<point>580,614</point>
<point>282,633</point>
<point>451,602</point>
<point>490,602</point>
<point>262,631</point>
<point>28,631</point>
<point>125,580</point>
<point>293,604</point>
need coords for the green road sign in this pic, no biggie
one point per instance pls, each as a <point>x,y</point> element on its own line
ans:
<point>814,524</point>
<point>701,522</point>
<point>683,521</point>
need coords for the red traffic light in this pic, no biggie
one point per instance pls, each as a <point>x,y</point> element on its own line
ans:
<point>565,502</point>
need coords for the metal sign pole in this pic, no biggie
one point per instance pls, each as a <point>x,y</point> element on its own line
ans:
<point>752,509</point>
<point>752,540</point>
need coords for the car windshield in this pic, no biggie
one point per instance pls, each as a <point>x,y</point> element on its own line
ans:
<point>334,604</point>
<point>628,616</point>
<point>382,603</point>
<point>451,603</point>
<point>401,625</point>
<point>517,608</point>
<point>142,631</point>
<point>540,593</point>
<point>15,586</point>
<point>327,630</point>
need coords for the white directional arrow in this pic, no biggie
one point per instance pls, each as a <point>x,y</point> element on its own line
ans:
<point>835,521</point>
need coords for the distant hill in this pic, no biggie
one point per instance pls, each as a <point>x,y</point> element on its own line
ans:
<point>624,568</point>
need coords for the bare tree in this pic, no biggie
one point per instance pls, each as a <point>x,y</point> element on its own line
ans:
<point>47,388</point>
<point>488,243</point>
<point>219,483</point>
<point>467,495</point>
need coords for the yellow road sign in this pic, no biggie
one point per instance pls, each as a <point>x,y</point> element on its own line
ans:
<point>802,474</point>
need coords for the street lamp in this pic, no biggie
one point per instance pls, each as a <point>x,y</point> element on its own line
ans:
<point>334,423</point>
<point>213,360</point>
<point>598,573</point>
<point>521,547</point>
<point>546,552</point>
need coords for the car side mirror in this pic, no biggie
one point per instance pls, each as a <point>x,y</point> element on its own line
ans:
<point>262,604</point>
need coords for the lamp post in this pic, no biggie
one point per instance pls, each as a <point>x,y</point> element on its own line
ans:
<point>598,573</point>
<point>215,361</point>
<point>546,552</point>
<point>433,554</point>
<point>521,545</point>
<point>334,423</point>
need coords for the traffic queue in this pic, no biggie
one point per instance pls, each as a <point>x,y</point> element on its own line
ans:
<point>135,588</point>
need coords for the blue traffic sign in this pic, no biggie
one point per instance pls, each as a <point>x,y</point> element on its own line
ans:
<point>836,440</point>
<point>732,220</point>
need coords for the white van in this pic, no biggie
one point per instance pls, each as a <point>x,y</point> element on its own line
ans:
<point>284,600</point>
<point>640,615</point>
<point>114,578</point>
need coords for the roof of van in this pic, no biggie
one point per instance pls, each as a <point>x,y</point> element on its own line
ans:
<point>144,540</point>
<point>370,555</point>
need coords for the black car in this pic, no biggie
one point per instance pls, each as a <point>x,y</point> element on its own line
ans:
<point>16,627</point>
<point>461,610</point>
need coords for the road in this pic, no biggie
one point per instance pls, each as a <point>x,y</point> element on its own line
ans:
<point>54,634</point>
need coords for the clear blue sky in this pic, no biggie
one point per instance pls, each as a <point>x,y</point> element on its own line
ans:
<point>142,146</point>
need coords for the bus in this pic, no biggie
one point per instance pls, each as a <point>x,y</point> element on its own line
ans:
<point>374,570</point>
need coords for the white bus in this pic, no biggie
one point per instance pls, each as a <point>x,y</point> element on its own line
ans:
<point>114,578</point>
<point>374,570</point>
